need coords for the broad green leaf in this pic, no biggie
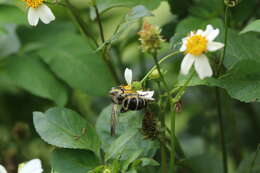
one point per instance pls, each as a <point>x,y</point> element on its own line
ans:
<point>241,47</point>
<point>65,128</point>
<point>253,26</point>
<point>31,74</point>
<point>76,161</point>
<point>242,81</point>
<point>133,156</point>
<point>127,123</point>
<point>9,42</point>
<point>71,58</point>
<point>144,162</point>
<point>207,9</point>
<point>119,144</point>
<point>10,14</point>
<point>151,4</point>
<point>193,23</point>
<point>250,164</point>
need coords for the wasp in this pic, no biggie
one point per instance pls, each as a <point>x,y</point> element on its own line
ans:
<point>125,99</point>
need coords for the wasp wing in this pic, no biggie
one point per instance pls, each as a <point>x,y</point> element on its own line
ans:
<point>114,119</point>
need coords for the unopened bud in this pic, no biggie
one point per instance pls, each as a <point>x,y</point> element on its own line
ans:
<point>150,38</point>
<point>231,3</point>
<point>155,74</point>
<point>178,107</point>
<point>137,85</point>
<point>107,170</point>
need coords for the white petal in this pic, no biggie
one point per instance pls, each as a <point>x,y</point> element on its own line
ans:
<point>211,33</point>
<point>183,46</point>
<point>203,67</point>
<point>213,46</point>
<point>186,63</point>
<point>33,16</point>
<point>33,166</point>
<point>45,14</point>
<point>2,169</point>
<point>146,94</point>
<point>128,76</point>
<point>199,32</point>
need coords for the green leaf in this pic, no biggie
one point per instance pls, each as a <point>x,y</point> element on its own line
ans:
<point>242,81</point>
<point>10,14</point>
<point>65,128</point>
<point>72,59</point>
<point>151,4</point>
<point>76,161</point>
<point>128,122</point>
<point>31,74</point>
<point>251,162</point>
<point>119,144</point>
<point>9,42</point>
<point>253,26</point>
<point>144,162</point>
<point>133,156</point>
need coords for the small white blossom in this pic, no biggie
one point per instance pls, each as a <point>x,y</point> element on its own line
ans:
<point>38,11</point>
<point>32,166</point>
<point>128,76</point>
<point>195,46</point>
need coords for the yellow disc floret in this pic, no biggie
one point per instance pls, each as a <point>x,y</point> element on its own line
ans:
<point>196,45</point>
<point>33,3</point>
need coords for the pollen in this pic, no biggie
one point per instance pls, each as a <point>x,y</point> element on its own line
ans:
<point>128,89</point>
<point>33,3</point>
<point>196,45</point>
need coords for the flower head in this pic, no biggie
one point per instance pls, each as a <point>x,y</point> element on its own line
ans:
<point>195,46</point>
<point>32,166</point>
<point>150,38</point>
<point>38,10</point>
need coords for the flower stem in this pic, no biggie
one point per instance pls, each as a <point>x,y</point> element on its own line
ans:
<point>222,132</point>
<point>222,58</point>
<point>218,99</point>
<point>160,72</point>
<point>159,62</point>
<point>106,57</point>
<point>99,23</point>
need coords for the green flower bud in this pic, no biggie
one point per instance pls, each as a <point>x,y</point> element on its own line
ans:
<point>107,170</point>
<point>231,3</point>
<point>155,74</point>
<point>137,85</point>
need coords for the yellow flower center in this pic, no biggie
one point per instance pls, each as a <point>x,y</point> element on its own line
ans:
<point>33,3</point>
<point>196,45</point>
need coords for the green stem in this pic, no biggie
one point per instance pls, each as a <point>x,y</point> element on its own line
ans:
<point>222,58</point>
<point>172,165</point>
<point>254,159</point>
<point>81,24</point>
<point>218,99</point>
<point>106,57</point>
<point>159,62</point>
<point>222,132</point>
<point>99,23</point>
<point>160,72</point>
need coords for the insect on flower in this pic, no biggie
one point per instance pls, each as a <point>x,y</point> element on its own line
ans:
<point>32,166</point>
<point>125,98</point>
<point>38,10</point>
<point>195,46</point>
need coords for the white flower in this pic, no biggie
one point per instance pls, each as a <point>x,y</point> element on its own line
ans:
<point>128,76</point>
<point>195,46</point>
<point>38,10</point>
<point>32,166</point>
